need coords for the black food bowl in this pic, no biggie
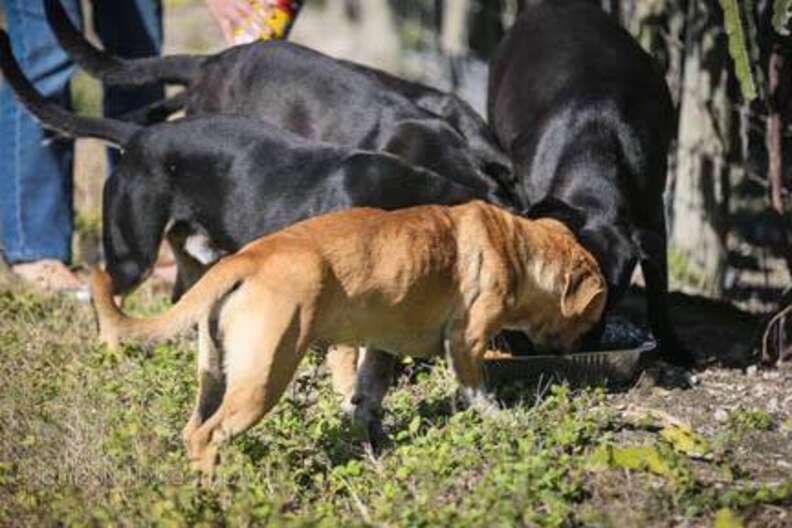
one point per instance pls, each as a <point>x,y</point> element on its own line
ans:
<point>621,356</point>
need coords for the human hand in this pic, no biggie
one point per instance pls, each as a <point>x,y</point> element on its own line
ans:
<point>233,14</point>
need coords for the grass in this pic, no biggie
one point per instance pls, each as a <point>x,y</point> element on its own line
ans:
<point>751,420</point>
<point>92,437</point>
<point>683,272</point>
<point>86,95</point>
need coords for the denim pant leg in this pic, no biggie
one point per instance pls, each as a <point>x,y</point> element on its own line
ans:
<point>35,175</point>
<point>129,29</point>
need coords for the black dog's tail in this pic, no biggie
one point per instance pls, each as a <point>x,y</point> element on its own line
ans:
<point>176,69</point>
<point>51,115</point>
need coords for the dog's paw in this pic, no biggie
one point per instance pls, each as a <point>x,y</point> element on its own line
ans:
<point>667,376</point>
<point>365,421</point>
<point>376,438</point>
<point>369,426</point>
<point>483,402</point>
<point>677,353</point>
<point>204,463</point>
<point>189,429</point>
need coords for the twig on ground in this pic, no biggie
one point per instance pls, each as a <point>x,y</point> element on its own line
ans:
<point>778,319</point>
<point>361,508</point>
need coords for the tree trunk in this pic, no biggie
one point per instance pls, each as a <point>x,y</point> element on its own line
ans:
<point>705,142</point>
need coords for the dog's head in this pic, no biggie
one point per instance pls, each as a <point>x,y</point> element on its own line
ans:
<point>569,290</point>
<point>609,243</point>
<point>583,299</point>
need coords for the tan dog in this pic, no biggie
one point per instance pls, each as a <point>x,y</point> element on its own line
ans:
<point>421,281</point>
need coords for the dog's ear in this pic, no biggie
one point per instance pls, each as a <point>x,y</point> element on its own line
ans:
<point>582,288</point>
<point>552,207</point>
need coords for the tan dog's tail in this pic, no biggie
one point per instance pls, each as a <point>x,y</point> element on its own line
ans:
<point>114,325</point>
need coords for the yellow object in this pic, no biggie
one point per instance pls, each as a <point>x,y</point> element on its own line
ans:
<point>278,22</point>
<point>725,518</point>
<point>277,16</point>
<point>685,441</point>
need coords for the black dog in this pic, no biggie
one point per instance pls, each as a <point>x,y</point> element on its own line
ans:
<point>586,118</point>
<point>310,94</point>
<point>218,182</point>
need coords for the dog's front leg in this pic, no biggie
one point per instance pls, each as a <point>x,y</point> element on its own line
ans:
<point>654,267</point>
<point>465,347</point>
<point>189,269</point>
<point>342,360</point>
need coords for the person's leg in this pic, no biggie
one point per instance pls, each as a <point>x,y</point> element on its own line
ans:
<point>129,29</point>
<point>35,174</point>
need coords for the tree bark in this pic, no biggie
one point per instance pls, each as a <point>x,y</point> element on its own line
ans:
<point>703,177</point>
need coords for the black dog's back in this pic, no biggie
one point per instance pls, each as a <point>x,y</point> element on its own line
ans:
<point>586,118</point>
<point>277,73</point>
<point>572,50</point>
<point>304,91</point>
<point>235,179</point>
<point>326,99</point>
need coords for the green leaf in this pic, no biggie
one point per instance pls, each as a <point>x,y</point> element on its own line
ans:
<point>737,16</point>
<point>685,441</point>
<point>415,424</point>
<point>725,518</point>
<point>782,12</point>
<point>644,458</point>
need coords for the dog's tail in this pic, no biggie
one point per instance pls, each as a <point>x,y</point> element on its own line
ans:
<point>176,69</point>
<point>115,326</point>
<point>51,115</point>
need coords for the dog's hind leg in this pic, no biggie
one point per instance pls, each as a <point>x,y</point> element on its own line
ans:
<point>211,381</point>
<point>374,376</point>
<point>361,377</point>
<point>263,342</point>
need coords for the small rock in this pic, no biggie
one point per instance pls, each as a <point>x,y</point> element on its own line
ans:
<point>649,379</point>
<point>772,405</point>
<point>752,370</point>
<point>692,379</point>
<point>661,392</point>
<point>721,415</point>
<point>82,296</point>
<point>771,375</point>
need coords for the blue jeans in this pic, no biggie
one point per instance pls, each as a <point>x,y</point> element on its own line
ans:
<point>36,207</point>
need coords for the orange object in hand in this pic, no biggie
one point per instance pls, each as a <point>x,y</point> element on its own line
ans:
<point>275,19</point>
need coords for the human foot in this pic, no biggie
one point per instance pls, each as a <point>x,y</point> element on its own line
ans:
<point>48,275</point>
